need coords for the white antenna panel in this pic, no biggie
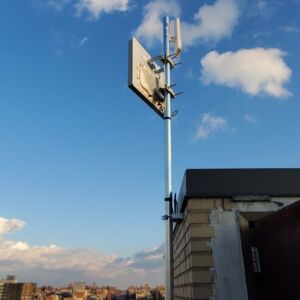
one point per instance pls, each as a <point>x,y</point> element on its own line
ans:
<point>144,78</point>
<point>178,40</point>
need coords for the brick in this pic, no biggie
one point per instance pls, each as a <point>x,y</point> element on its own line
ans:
<point>200,276</point>
<point>188,292</point>
<point>198,218</point>
<point>202,292</point>
<point>198,246</point>
<point>185,278</point>
<point>202,260</point>
<point>218,203</point>
<point>228,204</point>
<point>201,203</point>
<point>185,213</point>
<point>201,231</point>
<point>181,292</point>
<point>188,263</point>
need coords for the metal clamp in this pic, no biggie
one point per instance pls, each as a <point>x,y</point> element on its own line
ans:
<point>177,217</point>
<point>168,60</point>
<point>174,217</point>
<point>169,199</point>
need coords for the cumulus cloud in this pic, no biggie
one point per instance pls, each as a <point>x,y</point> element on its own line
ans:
<point>255,71</point>
<point>96,7</point>
<point>209,124</point>
<point>211,22</point>
<point>93,8</point>
<point>150,30</point>
<point>9,225</point>
<point>58,265</point>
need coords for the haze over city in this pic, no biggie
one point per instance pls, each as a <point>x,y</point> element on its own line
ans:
<point>81,164</point>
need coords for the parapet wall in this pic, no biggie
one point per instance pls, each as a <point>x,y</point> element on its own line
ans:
<point>192,254</point>
<point>209,254</point>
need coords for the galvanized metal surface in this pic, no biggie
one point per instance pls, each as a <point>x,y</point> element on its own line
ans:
<point>168,168</point>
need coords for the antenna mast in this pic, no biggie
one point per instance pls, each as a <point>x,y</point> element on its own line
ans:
<point>168,165</point>
<point>171,216</point>
<point>152,83</point>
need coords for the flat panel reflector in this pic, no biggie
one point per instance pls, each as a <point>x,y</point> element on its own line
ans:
<point>144,78</point>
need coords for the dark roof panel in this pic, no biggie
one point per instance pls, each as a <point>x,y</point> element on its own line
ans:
<point>239,182</point>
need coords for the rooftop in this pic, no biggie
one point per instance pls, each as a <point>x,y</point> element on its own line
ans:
<point>205,183</point>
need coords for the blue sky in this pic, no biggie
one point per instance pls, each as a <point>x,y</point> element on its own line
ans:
<point>81,164</point>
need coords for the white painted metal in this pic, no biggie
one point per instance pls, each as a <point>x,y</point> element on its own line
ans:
<point>143,77</point>
<point>177,38</point>
<point>168,167</point>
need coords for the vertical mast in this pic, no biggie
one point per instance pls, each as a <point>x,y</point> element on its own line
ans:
<point>168,166</point>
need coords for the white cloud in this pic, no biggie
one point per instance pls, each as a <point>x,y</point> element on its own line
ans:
<point>255,71</point>
<point>190,74</point>
<point>58,265</point>
<point>150,30</point>
<point>261,8</point>
<point>9,225</point>
<point>250,119</point>
<point>291,29</point>
<point>58,5</point>
<point>83,41</point>
<point>96,7</point>
<point>210,124</point>
<point>212,22</point>
<point>261,34</point>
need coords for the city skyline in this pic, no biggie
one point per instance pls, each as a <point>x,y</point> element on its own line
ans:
<point>12,289</point>
<point>81,164</point>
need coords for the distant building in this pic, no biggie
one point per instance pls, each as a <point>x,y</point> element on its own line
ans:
<point>102,293</point>
<point>11,279</point>
<point>11,290</point>
<point>79,291</point>
<point>2,290</point>
<point>25,291</point>
<point>160,293</point>
<point>52,297</point>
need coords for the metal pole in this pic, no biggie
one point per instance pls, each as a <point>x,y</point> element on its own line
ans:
<point>168,168</point>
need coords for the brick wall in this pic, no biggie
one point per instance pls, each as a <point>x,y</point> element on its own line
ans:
<point>193,258</point>
<point>202,267</point>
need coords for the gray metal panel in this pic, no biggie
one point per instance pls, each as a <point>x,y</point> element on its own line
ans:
<point>239,182</point>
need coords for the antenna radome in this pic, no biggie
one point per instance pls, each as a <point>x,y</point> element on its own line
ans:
<point>177,38</point>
